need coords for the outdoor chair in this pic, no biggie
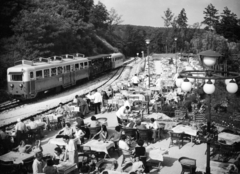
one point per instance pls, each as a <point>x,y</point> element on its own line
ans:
<point>175,137</point>
<point>161,129</point>
<point>188,165</point>
<point>144,135</point>
<point>93,131</point>
<point>226,151</point>
<point>35,134</point>
<point>129,132</point>
<point>27,165</point>
<point>88,151</point>
<point>83,160</point>
<point>126,154</point>
<point>185,137</point>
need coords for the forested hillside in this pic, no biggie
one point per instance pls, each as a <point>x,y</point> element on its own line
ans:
<point>40,28</point>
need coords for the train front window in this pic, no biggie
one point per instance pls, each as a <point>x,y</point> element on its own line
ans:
<point>54,71</point>
<point>17,77</point>
<point>81,65</point>
<point>60,70</point>
<point>85,64</point>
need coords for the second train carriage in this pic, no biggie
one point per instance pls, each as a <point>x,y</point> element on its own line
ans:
<point>117,60</point>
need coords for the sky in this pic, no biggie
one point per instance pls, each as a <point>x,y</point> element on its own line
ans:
<point>150,12</point>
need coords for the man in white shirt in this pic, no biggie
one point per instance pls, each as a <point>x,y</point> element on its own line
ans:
<point>122,113</point>
<point>97,100</point>
<point>123,145</point>
<point>71,149</point>
<point>135,80</point>
<point>154,125</point>
<point>32,124</point>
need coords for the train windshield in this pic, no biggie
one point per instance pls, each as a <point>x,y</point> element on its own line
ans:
<point>17,77</point>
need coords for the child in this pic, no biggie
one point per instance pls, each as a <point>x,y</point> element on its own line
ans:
<point>58,155</point>
<point>50,169</point>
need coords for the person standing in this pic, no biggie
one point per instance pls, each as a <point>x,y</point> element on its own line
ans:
<point>21,130</point>
<point>97,100</point>
<point>154,125</point>
<point>122,113</point>
<point>71,149</point>
<point>135,80</point>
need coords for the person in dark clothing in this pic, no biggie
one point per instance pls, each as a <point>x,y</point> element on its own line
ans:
<point>139,150</point>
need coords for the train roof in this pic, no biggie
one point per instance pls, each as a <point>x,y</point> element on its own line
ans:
<point>98,56</point>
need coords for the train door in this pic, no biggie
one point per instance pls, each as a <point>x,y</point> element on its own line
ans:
<point>72,75</point>
<point>32,90</point>
<point>66,76</point>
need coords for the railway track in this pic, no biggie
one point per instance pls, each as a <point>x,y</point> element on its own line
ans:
<point>10,104</point>
<point>112,79</point>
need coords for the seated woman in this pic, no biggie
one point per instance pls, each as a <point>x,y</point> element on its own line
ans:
<point>37,146</point>
<point>80,133</point>
<point>103,134</point>
<point>117,134</point>
<point>58,156</point>
<point>23,148</point>
<point>68,130</point>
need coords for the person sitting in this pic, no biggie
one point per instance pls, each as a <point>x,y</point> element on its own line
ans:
<point>124,146</point>
<point>37,146</point>
<point>135,80</point>
<point>38,163</point>
<point>94,122</point>
<point>49,168</point>
<point>58,156</point>
<point>139,149</point>
<point>23,148</point>
<point>5,140</point>
<point>80,133</point>
<point>140,126</point>
<point>103,134</point>
<point>32,124</point>
<point>67,130</point>
<point>137,166</point>
<point>122,113</point>
<point>60,110</point>
<point>115,137</point>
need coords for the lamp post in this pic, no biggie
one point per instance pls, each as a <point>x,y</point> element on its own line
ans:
<point>147,43</point>
<point>175,39</point>
<point>136,57</point>
<point>209,58</point>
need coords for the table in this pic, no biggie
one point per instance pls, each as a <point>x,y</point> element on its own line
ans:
<point>168,125</point>
<point>229,138</point>
<point>53,117</point>
<point>60,142</point>
<point>100,146</point>
<point>16,157</point>
<point>39,124</point>
<point>155,153</point>
<point>185,130</point>
<point>66,167</point>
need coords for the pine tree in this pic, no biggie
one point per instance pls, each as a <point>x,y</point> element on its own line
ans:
<point>211,18</point>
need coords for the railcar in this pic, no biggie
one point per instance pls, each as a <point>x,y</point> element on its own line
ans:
<point>117,60</point>
<point>28,78</point>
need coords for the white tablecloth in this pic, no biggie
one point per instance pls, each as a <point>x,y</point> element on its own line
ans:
<point>155,153</point>
<point>16,157</point>
<point>229,138</point>
<point>99,146</point>
<point>66,167</point>
<point>60,142</point>
<point>185,129</point>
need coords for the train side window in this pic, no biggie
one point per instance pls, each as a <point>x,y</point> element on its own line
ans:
<point>31,75</point>
<point>76,66</point>
<point>81,65</point>
<point>71,68</point>
<point>53,71</point>
<point>39,74</point>
<point>60,70</point>
<point>67,68</point>
<point>85,65</point>
<point>46,73</point>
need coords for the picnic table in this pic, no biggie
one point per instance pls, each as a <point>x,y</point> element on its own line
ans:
<point>229,138</point>
<point>185,130</point>
<point>100,146</point>
<point>16,157</point>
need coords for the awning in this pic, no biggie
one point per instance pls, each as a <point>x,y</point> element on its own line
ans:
<point>15,73</point>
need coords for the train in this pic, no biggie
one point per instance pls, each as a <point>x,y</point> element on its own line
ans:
<point>28,78</point>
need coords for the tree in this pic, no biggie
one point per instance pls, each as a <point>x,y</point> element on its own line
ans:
<point>99,16</point>
<point>114,19</point>
<point>229,25</point>
<point>211,18</point>
<point>168,17</point>
<point>182,19</point>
